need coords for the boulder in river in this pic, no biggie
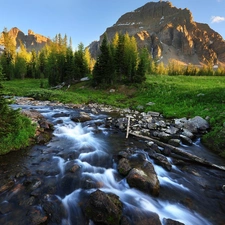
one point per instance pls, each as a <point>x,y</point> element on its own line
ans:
<point>141,217</point>
<point>144,179</point>
<point>103,208</point>
<point>171,222</point>
<point>83,117</point>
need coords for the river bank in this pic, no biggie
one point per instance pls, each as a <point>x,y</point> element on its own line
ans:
<point>172,96</point>
<point>88,152</point>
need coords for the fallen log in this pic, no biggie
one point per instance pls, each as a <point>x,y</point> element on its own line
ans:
<point>180,152</point>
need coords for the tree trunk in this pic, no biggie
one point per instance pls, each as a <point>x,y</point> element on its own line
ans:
<point>181,152</point>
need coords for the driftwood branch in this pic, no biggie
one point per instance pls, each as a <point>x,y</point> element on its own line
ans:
<point>181,152</point>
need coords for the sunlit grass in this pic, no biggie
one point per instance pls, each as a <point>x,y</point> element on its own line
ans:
<point>173,96</point>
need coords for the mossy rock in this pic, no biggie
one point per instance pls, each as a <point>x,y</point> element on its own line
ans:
<point>103,208</point>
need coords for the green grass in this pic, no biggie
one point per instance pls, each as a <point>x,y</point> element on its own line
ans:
<point>21,130</point>
<point>178,96</point>
<point>173,96</point>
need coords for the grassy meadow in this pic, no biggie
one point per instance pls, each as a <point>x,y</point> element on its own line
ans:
<point>173,96</point>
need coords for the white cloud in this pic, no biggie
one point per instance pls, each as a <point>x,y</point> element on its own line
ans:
<point>217,19</point>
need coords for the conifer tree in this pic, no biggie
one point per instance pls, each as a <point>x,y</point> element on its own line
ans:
<point>32,66</point>
<point>103,72</point>
<point>143,65</point>
<point>52,69</point>
<point>119,58</point>
<point>42,64</point>
<point>20,67</point>
<point>89,60</point>
<point>130,57</point>
<point>69,65</point>
<point>81,66</point>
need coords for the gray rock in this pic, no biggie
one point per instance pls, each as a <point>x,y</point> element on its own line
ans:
<point>174,142</point>
<point>196,124</point>
<point>186,140</point>
<point>179,123</point>
<point>83,117</point>
<point>171,130</point>
<point>162,161</point>
<point>152,126</point>
<point>187,133</point>
<point>144,179</point>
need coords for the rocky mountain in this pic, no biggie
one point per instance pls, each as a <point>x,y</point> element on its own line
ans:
<point>169,33</point>
<point>30,40</point>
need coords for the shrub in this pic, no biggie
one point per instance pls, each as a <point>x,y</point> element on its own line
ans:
<point>41,95</point>
<point>15,131</point>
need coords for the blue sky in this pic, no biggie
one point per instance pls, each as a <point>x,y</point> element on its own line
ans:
<point>85,20</point>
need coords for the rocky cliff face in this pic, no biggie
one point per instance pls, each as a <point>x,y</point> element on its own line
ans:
<point>169,33</point>
<point>31,40</point>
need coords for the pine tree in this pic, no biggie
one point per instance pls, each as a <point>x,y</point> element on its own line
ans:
<point>20,67</point>
<point>69,65</point>
<point>142,67</point>
<point>42,64</point>
<point>103,72</point>
<point>119,59</point>
<point>32,66</point>
<point>81,66</point>
<point>52,70</point>
<point>130,57</point>
<point>89,60</point>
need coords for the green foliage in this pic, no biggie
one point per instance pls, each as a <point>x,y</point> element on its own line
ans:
<point>42,94</point>
<point>80,63</point>
<point>104,69</point>
<point>55,61</point>
<point>15,132</point>
<point>20,68</point>
<point>15,129</point>
<point>119,62</point>
<point>173,96</point>
<point>191,70</point>
<point>214,140</point>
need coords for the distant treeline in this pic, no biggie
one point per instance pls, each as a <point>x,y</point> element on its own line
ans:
<point>119,61</point>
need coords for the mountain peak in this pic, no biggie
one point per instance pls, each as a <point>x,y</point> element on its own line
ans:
<point>31,40</point>
<point>30,32</point>
<point>170,33</point>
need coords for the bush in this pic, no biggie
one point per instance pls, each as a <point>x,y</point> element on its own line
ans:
<point>214,140</point>
<point>15,131</point>
<point>41,95</point>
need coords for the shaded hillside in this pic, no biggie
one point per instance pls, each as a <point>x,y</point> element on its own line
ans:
<point>169,33</point>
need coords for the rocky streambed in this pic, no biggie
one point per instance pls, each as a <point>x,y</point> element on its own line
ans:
<point>105,165</point>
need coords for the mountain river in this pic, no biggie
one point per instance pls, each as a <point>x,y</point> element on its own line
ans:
<point>54,178</point>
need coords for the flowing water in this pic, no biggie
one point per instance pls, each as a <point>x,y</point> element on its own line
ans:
<point>81,158</point>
